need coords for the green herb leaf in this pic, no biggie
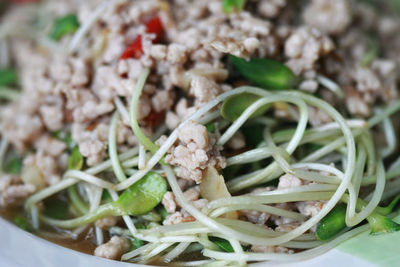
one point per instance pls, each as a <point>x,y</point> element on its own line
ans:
<point>141,226</point>
<point>143,196</point>
<point>75,160</point>
<point>235,105</point>
<point>266,73</point>
<point>222,243</point>
<point>136,243</point>
<point>56,209</point>
<point>230,6</point>
<point>64,25</point>
<point>210,127</point>
<point>163,212</point>
<point>23,223</point>
<point>332,223</point>
<point>8,77</point>
<point>13,165</point>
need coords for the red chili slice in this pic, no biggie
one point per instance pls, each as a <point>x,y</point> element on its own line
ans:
<point>135,50</point>
<point>155,26</point>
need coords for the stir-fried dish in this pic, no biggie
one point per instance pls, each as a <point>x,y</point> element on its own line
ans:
<point>205,132</point>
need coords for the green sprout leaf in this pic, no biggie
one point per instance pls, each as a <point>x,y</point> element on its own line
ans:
<point>8,77</point>
<point>138,199</point>
<point>75,160</point>
<point>23,223</point>
<point>381,224</point>
<point>235,105</point>
<point>266,73</point>
<point>64,25</point>
<point>230,6</point>
<point>143,196</point>
<point>222,244</point>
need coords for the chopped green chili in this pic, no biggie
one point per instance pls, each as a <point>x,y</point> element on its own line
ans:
<point>332,223</point>
<point>267,73</point>
<point>335,221</point>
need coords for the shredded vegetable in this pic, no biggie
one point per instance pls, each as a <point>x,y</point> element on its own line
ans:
<point>186,155</point>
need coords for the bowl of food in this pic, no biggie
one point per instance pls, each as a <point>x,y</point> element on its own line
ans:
<point>188,133</point>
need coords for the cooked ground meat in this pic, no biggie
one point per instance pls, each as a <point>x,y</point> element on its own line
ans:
<point>71,86</point>
<point>113,249</point>
<point>197,150</point>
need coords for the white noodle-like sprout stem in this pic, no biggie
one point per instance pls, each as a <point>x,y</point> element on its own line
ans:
<point>142,157</point>
<point>331,85</point>
<point>112,148</point>
<point>376,198</point>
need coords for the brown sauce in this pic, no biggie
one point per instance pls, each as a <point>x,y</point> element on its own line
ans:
<point>83,244</point>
